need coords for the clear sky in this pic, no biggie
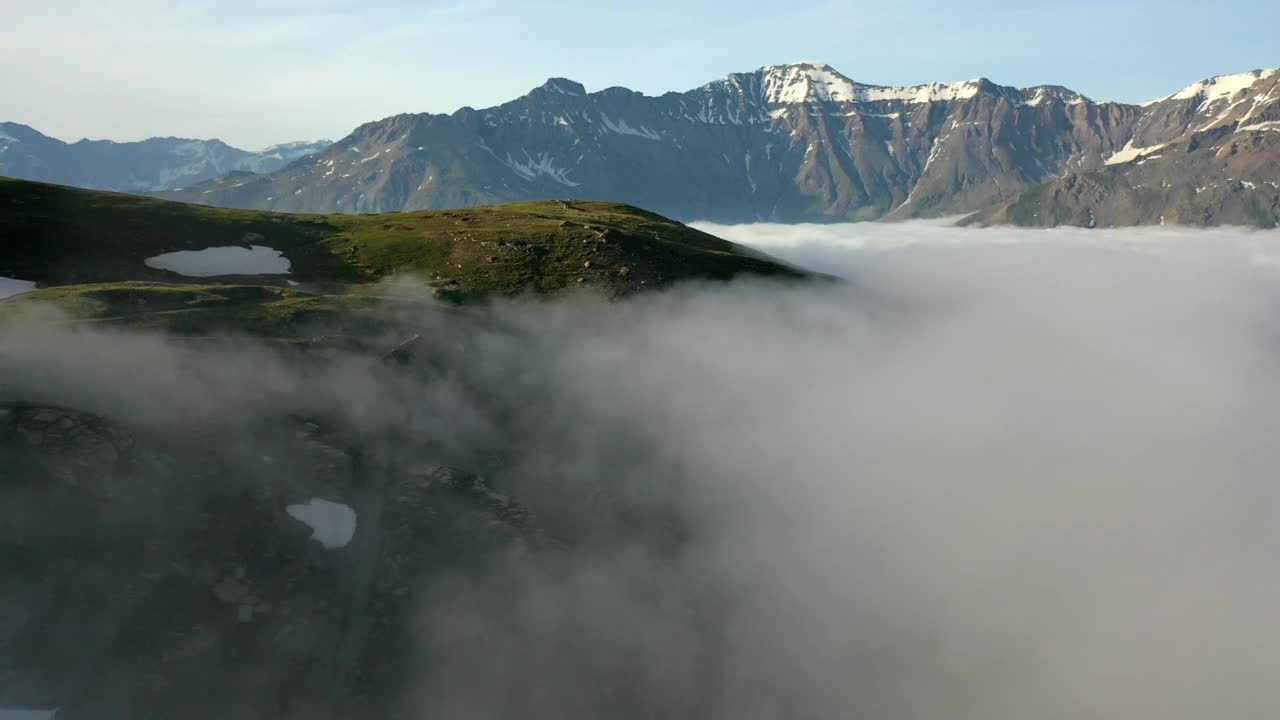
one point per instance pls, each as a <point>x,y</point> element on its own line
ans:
<point>256,72</point>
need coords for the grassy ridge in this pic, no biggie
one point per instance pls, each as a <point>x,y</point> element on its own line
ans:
<point>57,235</point>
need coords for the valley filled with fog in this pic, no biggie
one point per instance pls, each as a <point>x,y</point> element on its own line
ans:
<point>993,474</point>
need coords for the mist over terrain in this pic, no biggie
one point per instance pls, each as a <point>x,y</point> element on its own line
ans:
<point>998,474</point>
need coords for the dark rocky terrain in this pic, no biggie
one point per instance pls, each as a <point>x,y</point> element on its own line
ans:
<point>154,571</point>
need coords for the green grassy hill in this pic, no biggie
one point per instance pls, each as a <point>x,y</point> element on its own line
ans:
<point>58,235</point>
<point>86,250</point>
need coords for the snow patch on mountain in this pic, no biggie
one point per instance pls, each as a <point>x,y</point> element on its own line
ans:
<point>808,82</point>
<point>540,165</point>
<point>919,94</point>
<point>1219,87</point>
<point>1038,98</point>
<point>1040,94</point>
<point>1262,103</point>
<point>1129,152</point>
<point>532,167</point>
<point>622,128</point>
<point>804,82</point>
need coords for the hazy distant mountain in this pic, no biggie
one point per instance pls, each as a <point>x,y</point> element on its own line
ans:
<point>1206,155</point>
<point>155,164</point>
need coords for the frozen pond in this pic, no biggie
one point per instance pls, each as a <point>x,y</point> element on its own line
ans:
<point>229,260</point>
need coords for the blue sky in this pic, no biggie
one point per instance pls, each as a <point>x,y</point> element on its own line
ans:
<point>256,72</point>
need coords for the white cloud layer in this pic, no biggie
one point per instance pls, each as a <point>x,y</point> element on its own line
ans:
<point>826,247</point>
<point>1002,475</point>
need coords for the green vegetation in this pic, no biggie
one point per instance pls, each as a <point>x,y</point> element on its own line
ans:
<point>86,250</point>
<point>186,309</point>
<point>58,235</point>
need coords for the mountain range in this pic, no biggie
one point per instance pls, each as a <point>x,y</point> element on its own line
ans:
<point>150,165</point>
<point>804,143</point>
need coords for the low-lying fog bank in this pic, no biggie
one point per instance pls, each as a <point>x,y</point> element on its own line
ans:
<point>826,247</point>
<point>998,475</point>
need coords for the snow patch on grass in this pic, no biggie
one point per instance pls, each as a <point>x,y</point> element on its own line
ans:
<point>10,287</point>
<point>332,524</point>
<point>229,260</point>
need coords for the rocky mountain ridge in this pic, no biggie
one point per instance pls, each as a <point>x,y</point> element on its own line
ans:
<point>786,143</point>
<point>1206,155</point>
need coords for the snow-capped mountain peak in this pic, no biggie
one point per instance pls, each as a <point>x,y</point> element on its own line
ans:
<point>806,82</point>
<point>917,94</point>
<point>1035,96</point>
<point>564,86</point>
<point>818,82</point>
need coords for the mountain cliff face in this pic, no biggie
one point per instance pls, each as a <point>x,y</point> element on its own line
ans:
<point>789,143</point>
<point>149,165</point>
<point>784,143</point>
<point>1206,155</point>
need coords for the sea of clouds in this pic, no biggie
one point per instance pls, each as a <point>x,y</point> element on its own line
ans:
<point>997,474</point>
